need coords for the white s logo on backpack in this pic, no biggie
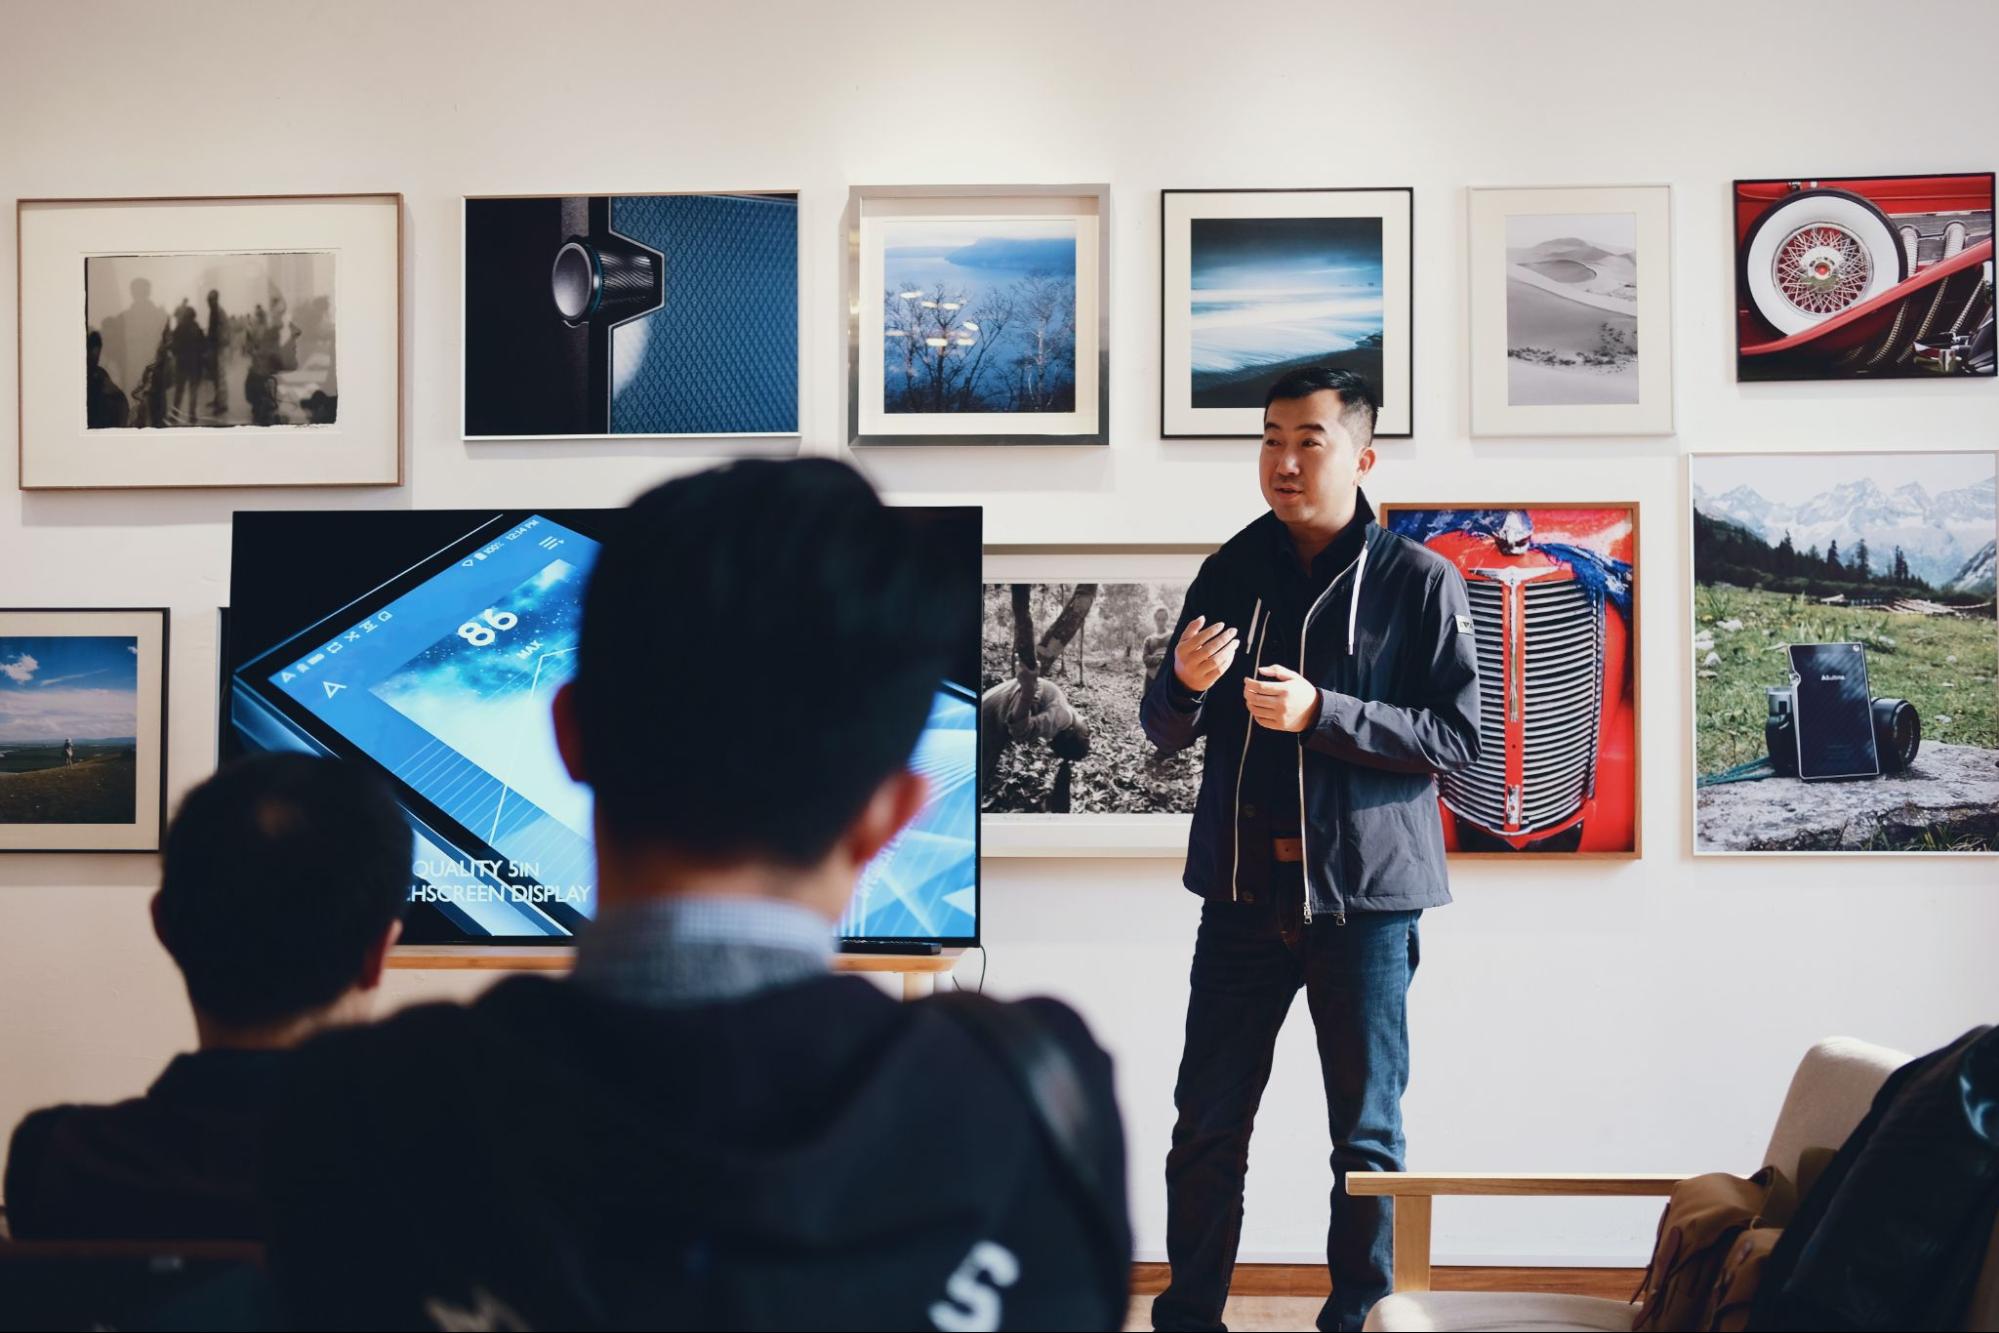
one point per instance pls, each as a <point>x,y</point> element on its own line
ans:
<point>973,1290</point>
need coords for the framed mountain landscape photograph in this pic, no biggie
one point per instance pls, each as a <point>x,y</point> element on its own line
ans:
<point>1257,283</point>
<point>1571,295</point>
<point>82,730</point>
<point>977,314</point>
<point>252,341</point>
<point>1845,664</point>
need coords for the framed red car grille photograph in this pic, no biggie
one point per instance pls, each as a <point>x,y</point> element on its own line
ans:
<point>1553,595</point>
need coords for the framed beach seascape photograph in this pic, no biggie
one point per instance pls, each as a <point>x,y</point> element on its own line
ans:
<point>1571,298</point>
<point>1257,283</point>
<point>1072,638</point>
<point>236,341</point>
<point>83,713</point>
<point>978,314</point>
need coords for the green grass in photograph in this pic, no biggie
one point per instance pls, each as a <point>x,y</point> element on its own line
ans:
<point>1944,665</point>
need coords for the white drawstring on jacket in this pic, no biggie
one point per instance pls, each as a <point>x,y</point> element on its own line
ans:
<point>1353,598</point>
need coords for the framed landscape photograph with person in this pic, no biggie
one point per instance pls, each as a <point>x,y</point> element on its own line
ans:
<point>251,341</point>
<point>1845,665</point>
<point>1257,283</point>
<point>1072,639</point>
<point>82,730</point>
<point>1572,311</point>
<point>977,314</point>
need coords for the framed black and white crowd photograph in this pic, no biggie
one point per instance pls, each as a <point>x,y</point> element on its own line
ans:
<point>1571,310</point>
<point>83,707</point>
<point>977,314</point>
<point>624,315</point>
<point>251,341</point>
<point>1072,639</point>
<point>1257,283</point>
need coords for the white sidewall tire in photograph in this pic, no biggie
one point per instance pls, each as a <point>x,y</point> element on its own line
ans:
<point>1846,213</point>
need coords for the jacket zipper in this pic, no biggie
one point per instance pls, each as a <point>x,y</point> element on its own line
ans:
<point>1304,635</point>
<point>1235,828</point>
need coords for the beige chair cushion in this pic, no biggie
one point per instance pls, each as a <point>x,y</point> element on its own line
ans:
<point>1468,1310</point>
<point>1829,1097</point>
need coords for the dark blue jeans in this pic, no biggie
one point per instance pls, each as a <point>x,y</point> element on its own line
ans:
<point>1250,959</point>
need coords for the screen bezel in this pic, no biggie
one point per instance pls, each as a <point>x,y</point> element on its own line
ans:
<point>251,678</point>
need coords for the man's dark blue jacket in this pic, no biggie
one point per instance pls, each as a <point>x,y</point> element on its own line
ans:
<point>1388,641</point>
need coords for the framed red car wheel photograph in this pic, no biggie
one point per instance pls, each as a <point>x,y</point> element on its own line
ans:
<point>1864,277</point>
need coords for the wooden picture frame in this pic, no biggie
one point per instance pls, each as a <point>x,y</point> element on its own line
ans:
<point>95,752</point>
<point>1560,806</point>
<point>265,360</point>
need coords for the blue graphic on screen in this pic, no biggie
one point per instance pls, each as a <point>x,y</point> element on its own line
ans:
<point>448,687</point>
<point>924,885</point>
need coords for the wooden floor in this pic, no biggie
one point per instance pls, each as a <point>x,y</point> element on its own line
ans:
<point>1287,1296</point>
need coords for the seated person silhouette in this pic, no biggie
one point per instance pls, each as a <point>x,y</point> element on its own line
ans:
<point>285,882</point>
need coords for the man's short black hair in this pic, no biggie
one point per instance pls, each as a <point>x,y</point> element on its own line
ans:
<point>761,646</point>
<point>281,872</point>
<point>1359,403</point>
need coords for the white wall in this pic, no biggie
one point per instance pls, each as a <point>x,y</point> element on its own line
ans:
<point>1570,1017</point>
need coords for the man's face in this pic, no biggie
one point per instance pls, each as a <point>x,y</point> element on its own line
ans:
<point>1159,619</point>
<point>1310,466</point>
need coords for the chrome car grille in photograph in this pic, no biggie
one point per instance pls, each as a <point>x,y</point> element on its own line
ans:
<point>1540,662</point>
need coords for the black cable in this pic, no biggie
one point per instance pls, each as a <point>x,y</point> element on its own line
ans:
<point>980,989</point>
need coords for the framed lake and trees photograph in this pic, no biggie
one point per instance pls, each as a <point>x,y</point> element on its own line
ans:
<point>82,730</point>
<point>1257,283</point>
<point>1571,310</point>
<point>977,315</point>
<point>1845,660</point>
<point>239,341</point>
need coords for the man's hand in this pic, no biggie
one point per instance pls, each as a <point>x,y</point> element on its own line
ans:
<point>1204,654</point>
<point>1285,702</point>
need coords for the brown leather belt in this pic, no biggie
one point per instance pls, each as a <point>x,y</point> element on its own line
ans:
<point>1288,849</point>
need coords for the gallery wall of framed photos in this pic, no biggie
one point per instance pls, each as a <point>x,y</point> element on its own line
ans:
<point>1577,176</point>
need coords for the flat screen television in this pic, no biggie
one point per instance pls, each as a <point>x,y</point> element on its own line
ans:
<point>427,645</point>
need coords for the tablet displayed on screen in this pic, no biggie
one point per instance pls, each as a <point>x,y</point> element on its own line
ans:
<point>1834,724</point>
<point>429,644</point>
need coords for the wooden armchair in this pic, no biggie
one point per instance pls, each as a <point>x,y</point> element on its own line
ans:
<point>1829,1095</point>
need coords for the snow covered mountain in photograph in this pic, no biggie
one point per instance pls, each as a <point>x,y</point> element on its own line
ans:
<point>1942,532</point>
<point>1978,575</point>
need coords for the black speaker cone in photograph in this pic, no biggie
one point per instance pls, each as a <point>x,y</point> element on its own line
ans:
<point>609,280</point>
